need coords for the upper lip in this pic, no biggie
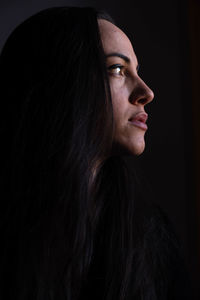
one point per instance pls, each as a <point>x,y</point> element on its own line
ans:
<point>141,116</point>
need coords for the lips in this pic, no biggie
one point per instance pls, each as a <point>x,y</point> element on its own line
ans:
<point>139,120</point>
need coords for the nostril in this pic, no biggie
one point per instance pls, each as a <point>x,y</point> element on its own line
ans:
<point>143,101</point>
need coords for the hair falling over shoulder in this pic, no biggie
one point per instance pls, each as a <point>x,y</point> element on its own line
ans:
<point>68,225</point>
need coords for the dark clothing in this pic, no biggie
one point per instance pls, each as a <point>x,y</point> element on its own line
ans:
<point>160,275</point>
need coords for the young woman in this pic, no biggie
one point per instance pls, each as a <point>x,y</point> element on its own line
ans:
<point>74,221</point>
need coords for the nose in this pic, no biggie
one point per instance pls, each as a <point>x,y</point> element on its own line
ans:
<point>141,93</point>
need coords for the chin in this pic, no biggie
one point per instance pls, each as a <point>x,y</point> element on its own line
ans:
<point>134,149</point>
<point>138,152</point>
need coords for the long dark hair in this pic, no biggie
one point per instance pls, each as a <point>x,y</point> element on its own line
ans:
<point>68,222</point>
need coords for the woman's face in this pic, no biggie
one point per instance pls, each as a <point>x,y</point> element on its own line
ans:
<point>129,92</point>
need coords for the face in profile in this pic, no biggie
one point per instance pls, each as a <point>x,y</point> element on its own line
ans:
<point>129,92</point>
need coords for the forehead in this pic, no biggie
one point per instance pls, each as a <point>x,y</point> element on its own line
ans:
<point>115,40</point>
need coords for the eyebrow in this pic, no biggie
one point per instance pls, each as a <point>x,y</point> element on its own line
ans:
<point>124,57</point>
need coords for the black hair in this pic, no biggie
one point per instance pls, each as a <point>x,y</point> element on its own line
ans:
<point>68,224</point>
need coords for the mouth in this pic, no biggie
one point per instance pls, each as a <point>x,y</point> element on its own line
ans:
<point>139,120</point>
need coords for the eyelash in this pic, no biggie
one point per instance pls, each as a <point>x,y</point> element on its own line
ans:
<point>114,67</point>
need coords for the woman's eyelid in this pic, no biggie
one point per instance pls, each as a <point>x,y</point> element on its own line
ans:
<point>115,66</point>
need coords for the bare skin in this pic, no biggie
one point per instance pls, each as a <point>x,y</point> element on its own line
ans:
<point>129,92</point>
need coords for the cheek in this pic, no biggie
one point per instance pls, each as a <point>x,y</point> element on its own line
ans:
<point>129,137</point>
<point>119,100</point>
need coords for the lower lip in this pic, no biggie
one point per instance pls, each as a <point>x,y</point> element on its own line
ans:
<point>139,124</point>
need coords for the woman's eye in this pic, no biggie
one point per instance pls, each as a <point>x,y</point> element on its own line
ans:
<point>116,69</point>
